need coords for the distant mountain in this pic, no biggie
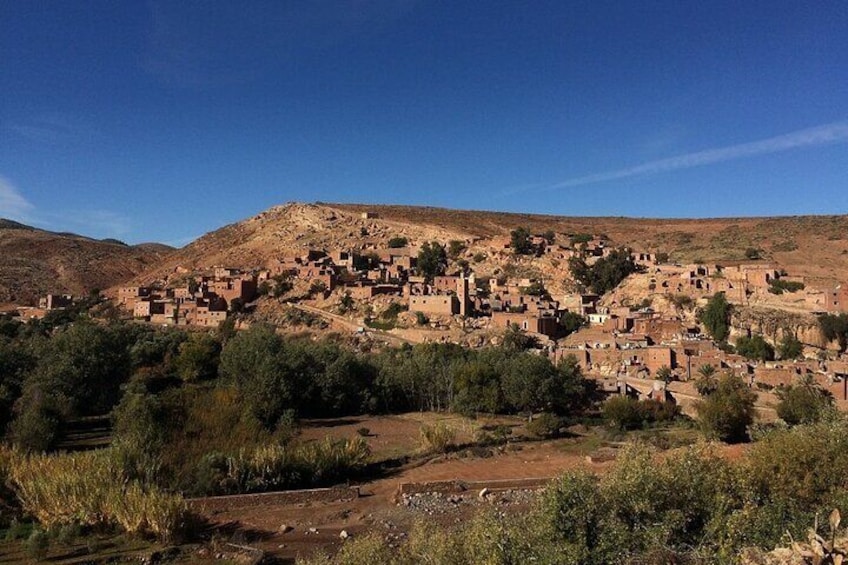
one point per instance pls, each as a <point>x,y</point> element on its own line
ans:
<point>812,246</point>
<point>34,262</point>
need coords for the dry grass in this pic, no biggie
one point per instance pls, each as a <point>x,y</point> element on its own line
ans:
<point>92,490</point>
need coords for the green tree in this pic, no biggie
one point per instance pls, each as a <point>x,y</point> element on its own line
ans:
<point>198,358</point>
<point>255,362</point>
<point>623,413</point>
<point>803,403</point>
<point>455,248</point>
<point>346,302</point>
<point>571,322</point>
<point>607,272</point>
<point>432,259</point>
<point>835,327</point>
<point>397,242</point>
<point>549,236</point>
<point>790,347</point>
<point>520,241</point>
<point>755,348</point>
<point>477,388</point>
<point>536,288</point>
<point>664,373</point>
<point>726,413</point>
<point>716,317</point>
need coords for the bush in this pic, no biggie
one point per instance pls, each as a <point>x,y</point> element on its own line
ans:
<point>397,242</point>
<point>545,425</point>
<point>804,403</point>
<point>755,348</point>
<point>455,248</point>
<point>728,411</point>
<point>779,286</point>
<point>421,319</point>
<point>790,347</point>
<point>752,253</point>
<point>626,413</point>
<point>437,438</point>
<point>37,544</point>
<point>606,273</point>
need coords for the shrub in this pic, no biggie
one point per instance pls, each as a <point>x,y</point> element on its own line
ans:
<point>626,413</point>
<point>455,248</point>
<point>779,286</point>
<point>544,425</point>
<point>437,438</point>
<point>606,273</point>
<point>790,347</point>
<point>727,412</point>
<point>364,432</point>
<point>37,544</point>
<point>755,347</point>
<point>397,242</point>
<point>682,301</point>
<point>804,403</point>
<point>393,310</point>
<point>421,319</point>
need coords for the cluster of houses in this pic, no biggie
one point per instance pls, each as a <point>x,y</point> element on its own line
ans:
<point>198,301</point>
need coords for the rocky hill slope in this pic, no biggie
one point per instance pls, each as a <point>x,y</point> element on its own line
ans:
<point>34,262</point>
<point>815,247</point>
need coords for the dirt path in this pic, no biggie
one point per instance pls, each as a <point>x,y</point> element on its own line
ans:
<point>353,326</point>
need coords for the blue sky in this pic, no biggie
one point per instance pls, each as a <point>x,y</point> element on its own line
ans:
<point>164,120</point>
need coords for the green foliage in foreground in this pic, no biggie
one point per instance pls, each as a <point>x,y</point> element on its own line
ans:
<point>691,507</point>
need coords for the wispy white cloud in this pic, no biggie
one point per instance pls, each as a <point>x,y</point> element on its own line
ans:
<point>52,128</point>
<point>13,205</point>
<point>836,132</point>
<point>92,223</point>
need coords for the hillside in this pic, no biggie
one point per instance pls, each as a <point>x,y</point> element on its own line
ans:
<point>815,247</point>
<point>34,262</point>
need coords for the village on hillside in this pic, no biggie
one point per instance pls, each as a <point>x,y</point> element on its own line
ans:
<point>641,337</point>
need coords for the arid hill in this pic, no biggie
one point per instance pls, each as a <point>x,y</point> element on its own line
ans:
<point>34,262</point>
<point>812,246</point>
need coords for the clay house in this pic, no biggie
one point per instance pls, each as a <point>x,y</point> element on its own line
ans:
<point>243,288</point>
<point>54,301</point>
<point>659,356</point>
<point>531,323</point>
<point>836,299</point>
<point>644,259</point>
<point>344,258</point>
<point>226,272</point>
<point>438,304</point>
<point>128,295</point>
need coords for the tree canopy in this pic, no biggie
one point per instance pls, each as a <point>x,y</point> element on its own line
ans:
<point>716,317</point>
<point>432,259</point>
<point>606,273</point>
